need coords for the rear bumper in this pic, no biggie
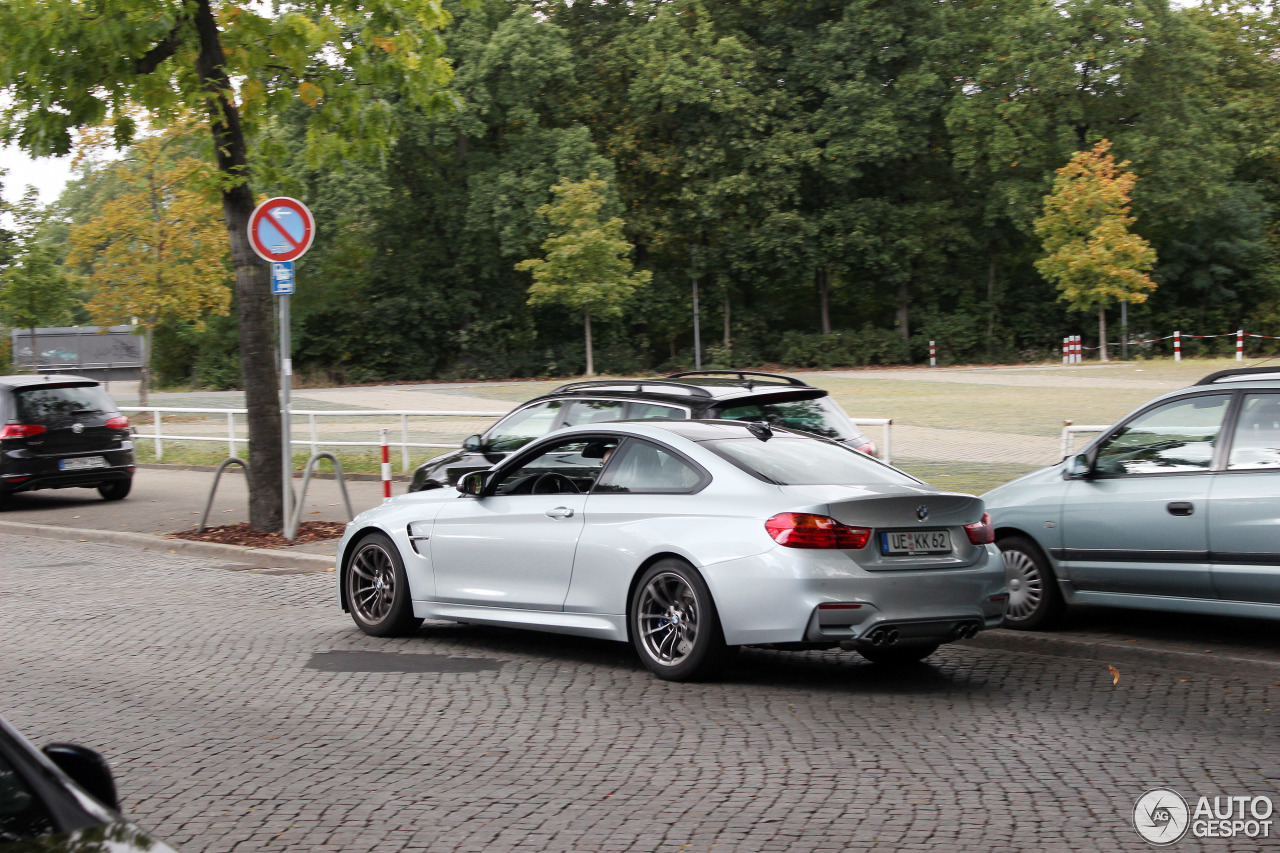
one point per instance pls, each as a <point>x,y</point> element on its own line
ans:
<point>28,473</point>
<point>774,598</point>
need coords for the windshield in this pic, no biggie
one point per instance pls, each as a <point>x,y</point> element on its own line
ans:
<point>804,462</point>
<point>42,405</point>
<point>818,417</point>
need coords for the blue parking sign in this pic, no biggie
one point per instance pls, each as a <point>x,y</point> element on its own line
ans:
<point>281,277</point>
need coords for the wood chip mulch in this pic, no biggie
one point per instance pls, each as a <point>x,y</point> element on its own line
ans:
<point>243,534</point>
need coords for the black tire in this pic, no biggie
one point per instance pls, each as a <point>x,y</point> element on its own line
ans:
<point>115,490</point>
<point>1035,601</point>
<point>674,625</point>
<point>899,656</point>
<point>377,589</point>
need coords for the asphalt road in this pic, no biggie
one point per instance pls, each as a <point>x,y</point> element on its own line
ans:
<point>243,711</point>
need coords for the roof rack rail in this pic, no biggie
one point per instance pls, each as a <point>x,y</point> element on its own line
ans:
<point>742,375</point>
<point>1240,374</point>
<point>633,384</point>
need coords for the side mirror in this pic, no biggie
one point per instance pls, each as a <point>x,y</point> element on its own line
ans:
<point>88,769</point>
<point>1079,468</point>
<point>472,484</point>
<point>472,443</point>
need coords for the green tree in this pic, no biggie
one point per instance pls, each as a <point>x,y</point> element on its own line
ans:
<point>156,251</point>
<point>587,266</point>
<point>1090,253</point>
<point>34,289</point>
<point>239,63</point>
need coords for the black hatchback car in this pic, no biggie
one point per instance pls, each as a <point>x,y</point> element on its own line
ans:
<point>59,432</point>
<point>739,395</point>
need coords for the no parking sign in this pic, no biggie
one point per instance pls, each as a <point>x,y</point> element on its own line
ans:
<point>281,229</point>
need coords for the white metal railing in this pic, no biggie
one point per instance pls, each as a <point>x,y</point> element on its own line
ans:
<point>1069,431</point>
<point>886,445</point>
<point>314,441</point>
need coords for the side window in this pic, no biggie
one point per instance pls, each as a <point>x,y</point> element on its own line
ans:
<point>593,411</point>
<point>22,814</point>
<point>642,467</point>
<point>1178,436</point>
<point>565,468</point>
<point>1256,443</point>
<point>518,429</point>
<point>645,411</point>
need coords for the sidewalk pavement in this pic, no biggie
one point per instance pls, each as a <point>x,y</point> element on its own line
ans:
<point>166,501</point>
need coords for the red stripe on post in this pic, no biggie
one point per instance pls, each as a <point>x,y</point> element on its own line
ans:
<point>386,467</point>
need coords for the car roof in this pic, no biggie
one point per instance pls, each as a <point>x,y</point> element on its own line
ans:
<point>27,380</point>
<point>697,388</point>
<point>693,430</point>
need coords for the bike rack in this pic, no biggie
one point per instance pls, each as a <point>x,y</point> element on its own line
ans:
<point>231,460</point>
<point>291,529</point>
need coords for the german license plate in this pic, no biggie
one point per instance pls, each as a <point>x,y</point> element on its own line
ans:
<point>80,463</point>
<point>910,543</point>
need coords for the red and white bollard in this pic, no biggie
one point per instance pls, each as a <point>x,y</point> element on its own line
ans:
<point>1066,350</point>
<point>1239,344</point>
<point>933,355</point>
<point>1177,346</point>
<point>1077,349</point>
<point>386,468</point>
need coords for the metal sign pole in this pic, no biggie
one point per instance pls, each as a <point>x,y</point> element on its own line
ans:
<point>280,231</point>
<point>286,418</point>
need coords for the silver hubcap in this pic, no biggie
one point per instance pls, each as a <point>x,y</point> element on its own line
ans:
<point>668,618</point>
<point>1026,587</point>
<point>372,583</point>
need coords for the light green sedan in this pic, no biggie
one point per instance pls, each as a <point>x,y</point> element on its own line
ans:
<point>1176,507</point>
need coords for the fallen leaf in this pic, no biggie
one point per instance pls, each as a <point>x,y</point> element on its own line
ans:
<point>1115,674</point>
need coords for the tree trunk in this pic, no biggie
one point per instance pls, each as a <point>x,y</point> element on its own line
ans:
<point>1102,333</point>
<point>253,287</point>
<point>991,309</point>
<point>144,383</point>
<point>902,316</point>
<point>727,339</point>
<point>586,323</point>
<point>824,299</point>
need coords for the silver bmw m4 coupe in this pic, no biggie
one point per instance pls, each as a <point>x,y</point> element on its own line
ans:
<point>686,539</point>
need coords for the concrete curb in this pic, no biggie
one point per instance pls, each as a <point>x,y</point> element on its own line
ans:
<point>267,558</point>
<point>1124,653</point>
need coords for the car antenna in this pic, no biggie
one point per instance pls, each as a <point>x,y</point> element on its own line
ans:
<point>760,430</point>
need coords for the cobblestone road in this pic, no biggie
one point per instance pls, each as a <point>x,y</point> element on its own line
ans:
<point>242,711</point>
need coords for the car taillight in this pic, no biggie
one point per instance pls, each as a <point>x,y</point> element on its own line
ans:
<point>20,430</point>
<point>981,532</point>
<point>118,423</point>
<point>802,530</point>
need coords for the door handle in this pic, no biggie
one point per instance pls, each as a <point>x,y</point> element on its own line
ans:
<point>1181,508</point>
<point>560,512</point>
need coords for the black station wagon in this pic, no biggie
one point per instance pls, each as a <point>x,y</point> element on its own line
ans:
<point>739,395</point>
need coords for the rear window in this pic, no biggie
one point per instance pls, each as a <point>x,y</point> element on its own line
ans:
<point>42,405</point>
<point>804,462</point>
<point>817,417</point>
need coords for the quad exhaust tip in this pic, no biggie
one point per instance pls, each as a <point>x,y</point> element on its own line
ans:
<point>883,636</point>
<point>966,630</point>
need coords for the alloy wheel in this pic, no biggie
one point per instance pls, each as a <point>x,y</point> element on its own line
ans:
<point>669,618</point>
<point>373,583</point>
